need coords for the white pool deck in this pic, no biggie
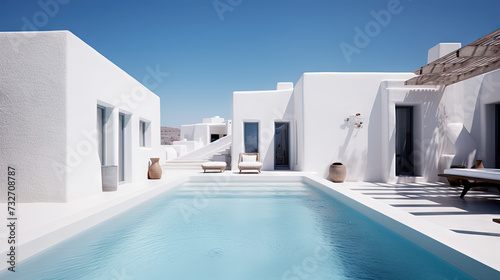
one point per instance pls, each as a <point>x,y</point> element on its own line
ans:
<point>466,224</point>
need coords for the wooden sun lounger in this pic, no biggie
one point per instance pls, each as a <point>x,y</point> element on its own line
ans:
<point>466,182</point>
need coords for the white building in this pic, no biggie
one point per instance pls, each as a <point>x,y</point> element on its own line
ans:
<point>66,111</point>
<point>196,136</point>
<point>206,141</point>
<point>210,130</point>
<point>408,133</point>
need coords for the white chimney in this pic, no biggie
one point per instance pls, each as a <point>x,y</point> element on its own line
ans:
<point>283,85</point>
<point>441,50</point>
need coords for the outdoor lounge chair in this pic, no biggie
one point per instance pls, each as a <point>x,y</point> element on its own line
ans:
<point>249,161</point>
<point>480,176</point>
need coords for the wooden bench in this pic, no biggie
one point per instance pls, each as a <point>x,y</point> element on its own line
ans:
<point>214,165</point>
<point>473,177</point>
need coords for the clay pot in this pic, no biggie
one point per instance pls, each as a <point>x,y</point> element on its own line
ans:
<point>337,172</point>
<point>155,169</point>
<point>479,164</point>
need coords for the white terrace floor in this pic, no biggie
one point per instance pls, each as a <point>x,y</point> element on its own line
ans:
<point>438,204</point>
<point>441,204</point>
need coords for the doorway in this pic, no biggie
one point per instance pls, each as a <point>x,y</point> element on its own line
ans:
<point>404,141</point>
<point>497,136</point>
<point>281,146</point>
<point>214,137</point>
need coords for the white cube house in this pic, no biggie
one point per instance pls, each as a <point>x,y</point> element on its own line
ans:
<point>66,111</point>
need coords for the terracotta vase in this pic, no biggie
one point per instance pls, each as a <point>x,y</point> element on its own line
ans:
<point>155,169</point>
<point>337,172</point>
<point>479,164</point>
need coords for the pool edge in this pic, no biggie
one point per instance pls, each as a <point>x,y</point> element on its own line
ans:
<point>436,239</point>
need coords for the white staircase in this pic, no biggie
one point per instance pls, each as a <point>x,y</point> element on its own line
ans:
<point>219,150</point>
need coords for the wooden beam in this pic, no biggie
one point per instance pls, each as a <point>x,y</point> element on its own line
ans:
<point>438,79</point>
<point>479,57</point>
<point>479,51</point>
<point>433,68</point>
<point>422,79</point>
<point>481,70</point>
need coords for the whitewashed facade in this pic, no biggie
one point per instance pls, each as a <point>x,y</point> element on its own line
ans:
<point>65,111</point>
<point>449,125</point>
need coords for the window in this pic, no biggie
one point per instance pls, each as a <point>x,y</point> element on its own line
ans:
<point>142,134</point>
<point>101,133</point>
<point>121,147</point>
<point>251,137</point>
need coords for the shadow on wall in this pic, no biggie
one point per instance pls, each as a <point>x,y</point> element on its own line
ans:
<point>374,157</point>
<point>465,145</point>
<point>354,158</point>
<point>430,141</point>
<point>267,137</point>
<point>482,127</point>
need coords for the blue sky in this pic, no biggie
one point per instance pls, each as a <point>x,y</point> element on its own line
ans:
<point>211,48</point>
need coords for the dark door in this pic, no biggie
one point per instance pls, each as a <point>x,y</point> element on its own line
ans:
<point>281,146</point>
<point>214,137</point>
<point>404,141</point>
<point>497,136</point>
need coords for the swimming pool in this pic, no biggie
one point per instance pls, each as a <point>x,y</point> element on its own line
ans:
<point>217,230</point>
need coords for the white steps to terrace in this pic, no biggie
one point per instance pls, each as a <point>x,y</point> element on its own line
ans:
<point>219,150</point>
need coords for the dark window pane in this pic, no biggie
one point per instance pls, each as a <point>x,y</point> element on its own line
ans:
<point>251,131</point>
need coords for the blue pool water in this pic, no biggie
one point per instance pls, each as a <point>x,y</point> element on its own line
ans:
<point>238,231</point>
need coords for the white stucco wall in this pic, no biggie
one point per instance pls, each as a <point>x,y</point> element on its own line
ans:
<point>55,82</point>
<point>330,98</point>
<point>187,132</point>
<point>452,125</point>
<point>478,98</point>
<point>201,132</point>
<point>266,108</point>
<point>189,146</point>
<point>298,117</point>
<point>33,113</point>
<point>430,107</point>
<point>93,80</point>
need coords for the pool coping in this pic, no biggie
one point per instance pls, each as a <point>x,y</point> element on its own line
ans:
<point>438,240</point>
